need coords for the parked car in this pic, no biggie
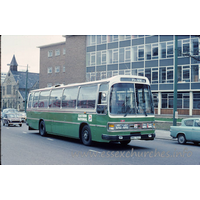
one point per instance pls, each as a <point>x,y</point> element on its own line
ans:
<point>22,115</point>
<point>11,119</point>
<point>8,110</point>
<point>188,131</point>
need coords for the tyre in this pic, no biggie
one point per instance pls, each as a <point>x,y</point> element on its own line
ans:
<point>181,139</point>
<point>124,143</point>
<point>86,137</point>
<point>42,129</point>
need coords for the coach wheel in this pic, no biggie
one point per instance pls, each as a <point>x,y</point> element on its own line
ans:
<point>86,137</point>
<point>181,139</point>
<point>42,129</point>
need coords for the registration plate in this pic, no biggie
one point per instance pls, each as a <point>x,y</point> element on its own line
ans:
<point>135,137</point>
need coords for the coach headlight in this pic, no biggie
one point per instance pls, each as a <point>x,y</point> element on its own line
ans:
<point>111,126</point>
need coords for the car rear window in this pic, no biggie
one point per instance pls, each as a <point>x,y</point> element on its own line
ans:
<point>189,122</point>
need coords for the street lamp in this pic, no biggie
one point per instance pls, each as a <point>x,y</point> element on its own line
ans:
<point>175,82</point>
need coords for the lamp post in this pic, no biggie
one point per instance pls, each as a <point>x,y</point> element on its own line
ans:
<point>26,87</point>
<point>175,82</point>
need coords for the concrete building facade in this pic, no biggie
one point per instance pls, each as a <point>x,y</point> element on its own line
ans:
<point>151,56</point>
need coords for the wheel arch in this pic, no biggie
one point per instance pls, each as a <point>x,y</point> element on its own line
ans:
<point>181,133</point>
<point>82,124</point>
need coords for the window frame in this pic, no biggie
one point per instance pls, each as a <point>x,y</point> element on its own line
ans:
<point>50,53</point>
<point>57,52</point>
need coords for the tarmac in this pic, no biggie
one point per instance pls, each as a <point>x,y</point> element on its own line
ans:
<point>163,134</point>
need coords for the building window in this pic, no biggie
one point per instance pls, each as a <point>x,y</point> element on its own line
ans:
<point>148,52</point>
<point>154,51</point>
<point>196,100</point>
<point>57,52</point>
<point>183,100</point>
<point>170,49</point>
<point>167,100</point>
<point>112,38</point>
<point>121,55</point>
<point>195,73</point>
<point>88,59</point>
<point>92,58</point>
<point>179,47</point>
<point>98,57</point>
<point>186,47</point>
<point>163,50</point>
<point>134,54</point>
<point>101,57</point>
<point>152,75</point>
<point>93,39</point>
<point>50,53</point>
<point>183,74</point>
<point>140,72</point>
<point>63,68</point>
<point>162,74</point>
<point>148,74</point>
<point>57,69</point>
<point>8,89</point>
<point>141,52</point>
<point>64,51</point>
<point>155,99</point>
<point>101,39</point>
<point>127,54</point>
<point>49,70</point>
<point>195,46</point>
<point>115,56</point>
<point>169,74</point>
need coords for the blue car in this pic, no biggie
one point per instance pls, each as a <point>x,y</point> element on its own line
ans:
<point>189,131</point>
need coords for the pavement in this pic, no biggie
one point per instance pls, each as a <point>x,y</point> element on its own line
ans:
<point>163,134</point>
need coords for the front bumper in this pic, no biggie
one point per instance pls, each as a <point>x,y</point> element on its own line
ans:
<point>150,136</point>
<point>14,124</point>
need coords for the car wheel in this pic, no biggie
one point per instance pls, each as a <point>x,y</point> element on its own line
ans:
<point>181,139</point>
<point>42,129</point>
<point>86,137</point>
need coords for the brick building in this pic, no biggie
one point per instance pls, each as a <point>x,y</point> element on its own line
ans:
<point>64,62</point>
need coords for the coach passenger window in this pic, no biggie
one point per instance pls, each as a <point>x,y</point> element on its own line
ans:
<point>35,99</point>
<point>30,99</point>
<point>87,97</point>
<point>55,98</point>
<point>69,97</point>
<point>43,99</point>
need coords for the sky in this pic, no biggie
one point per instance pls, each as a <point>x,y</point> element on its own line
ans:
<point>26,51</point>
